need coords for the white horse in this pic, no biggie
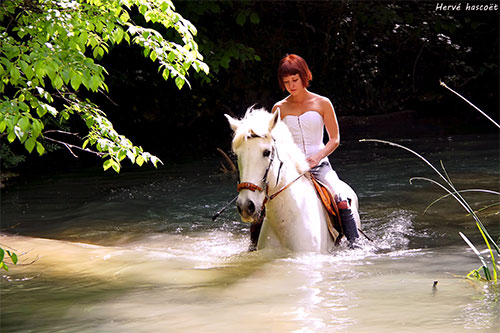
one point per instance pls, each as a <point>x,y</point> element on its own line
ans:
<point>274,179</point>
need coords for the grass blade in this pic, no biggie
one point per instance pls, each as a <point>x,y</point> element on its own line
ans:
<point>475,107</point>
<point>485,267</point>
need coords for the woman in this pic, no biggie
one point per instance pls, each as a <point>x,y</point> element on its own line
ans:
<point>307,114</point>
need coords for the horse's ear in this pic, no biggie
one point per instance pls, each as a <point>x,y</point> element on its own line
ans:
<point>274,119</point>
<point>234,123</point>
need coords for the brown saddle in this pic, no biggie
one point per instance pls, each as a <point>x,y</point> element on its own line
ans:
<point>328,200</point>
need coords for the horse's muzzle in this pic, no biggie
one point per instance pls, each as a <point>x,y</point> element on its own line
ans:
<point>247,210</point>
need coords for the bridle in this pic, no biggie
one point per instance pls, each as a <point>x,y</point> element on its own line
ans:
<point>265,184</point>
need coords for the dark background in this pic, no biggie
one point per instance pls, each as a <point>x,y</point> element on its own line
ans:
<point>380,62</point>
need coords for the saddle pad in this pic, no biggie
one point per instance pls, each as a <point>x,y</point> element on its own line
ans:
<point>328,200</point>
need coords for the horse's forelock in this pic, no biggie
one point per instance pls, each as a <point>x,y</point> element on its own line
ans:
<point>254,124</point>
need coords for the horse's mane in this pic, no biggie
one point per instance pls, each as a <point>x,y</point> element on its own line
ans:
<point>255,123</point>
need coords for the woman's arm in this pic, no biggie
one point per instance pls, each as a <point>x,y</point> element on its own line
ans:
<point>332,127</point>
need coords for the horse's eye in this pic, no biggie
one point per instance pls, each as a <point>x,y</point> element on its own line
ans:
<point>266,153</point>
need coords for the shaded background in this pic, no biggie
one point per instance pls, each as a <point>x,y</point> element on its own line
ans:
<point>380,62</point>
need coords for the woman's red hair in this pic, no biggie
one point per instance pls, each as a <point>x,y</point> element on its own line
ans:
<point>293,64</point>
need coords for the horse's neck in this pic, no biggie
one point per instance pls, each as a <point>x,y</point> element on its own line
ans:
<point>289,176</point>
<point>283,175</point>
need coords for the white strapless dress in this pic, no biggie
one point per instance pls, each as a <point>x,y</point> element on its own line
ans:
<point>307,131</point>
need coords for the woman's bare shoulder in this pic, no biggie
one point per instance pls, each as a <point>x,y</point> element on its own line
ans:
<point>283,104</point>
<point>322,103</point>
<point>321,99</point>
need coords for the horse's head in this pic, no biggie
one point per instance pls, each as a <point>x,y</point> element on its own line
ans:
<point>255,142</point>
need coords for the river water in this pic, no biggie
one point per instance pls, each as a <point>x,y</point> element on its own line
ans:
<point>138,252</point>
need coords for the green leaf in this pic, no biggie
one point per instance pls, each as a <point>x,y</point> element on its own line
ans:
<point>118,35</point>
<point>165,74</point>
<point>27,69</point>
<point>40,70</point>
<point>76,81</point>
<point>116,167</point>
<point>24,123</point>
<point>107,164</point>
<point>98,52</point>
<point>4,266</point>
<point>139,160</point>
<point>13,257</point>
<point>153,56</point>
<point>36,127</point>
<point>40,148</point>
<point>14,75</point>
<point>241,18</point>
<point>179,82</point>
<point>41,111</point>
<point>30,144</point>
<point>2,254</point>
<point>89,122</point>
<point>254,18</point>
<point>11,136</point>
<point>57,82</point>
<point>66,75</point>
<point>122,154</point>
<point>82,38</point>
<point>95,82</point>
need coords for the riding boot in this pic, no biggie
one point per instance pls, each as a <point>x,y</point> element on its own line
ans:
<point>348,223</point>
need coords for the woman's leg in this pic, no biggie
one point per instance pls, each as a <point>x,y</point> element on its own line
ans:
<point>325,174</point>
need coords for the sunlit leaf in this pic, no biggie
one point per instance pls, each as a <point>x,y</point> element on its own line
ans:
<point>108,164</point>
<point>179,82</point>
<point>40,148</point>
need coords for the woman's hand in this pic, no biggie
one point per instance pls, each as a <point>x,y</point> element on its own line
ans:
<point>313,160</point>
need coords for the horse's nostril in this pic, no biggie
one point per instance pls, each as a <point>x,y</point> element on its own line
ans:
<point>251,207</point>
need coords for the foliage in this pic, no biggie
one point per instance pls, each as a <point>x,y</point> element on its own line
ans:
<point>9,159</point>
<point>215,37</point>
<point>50,51</point>
<point>12,256</point>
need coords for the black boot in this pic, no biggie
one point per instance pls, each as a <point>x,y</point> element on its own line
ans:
<point>348,224</point>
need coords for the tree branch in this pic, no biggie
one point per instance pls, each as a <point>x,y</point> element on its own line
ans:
<point>70,146</point>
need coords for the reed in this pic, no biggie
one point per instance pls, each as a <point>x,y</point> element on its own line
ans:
<point>448,186</point>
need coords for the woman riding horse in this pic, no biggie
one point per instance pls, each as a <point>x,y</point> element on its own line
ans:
<point>307,114</point>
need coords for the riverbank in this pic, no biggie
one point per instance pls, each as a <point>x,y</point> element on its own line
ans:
<point>410,124</point>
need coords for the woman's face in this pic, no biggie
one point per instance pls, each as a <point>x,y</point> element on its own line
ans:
<point>293,83</point>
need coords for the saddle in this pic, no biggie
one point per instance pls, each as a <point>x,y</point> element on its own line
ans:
<point>328,199</point>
